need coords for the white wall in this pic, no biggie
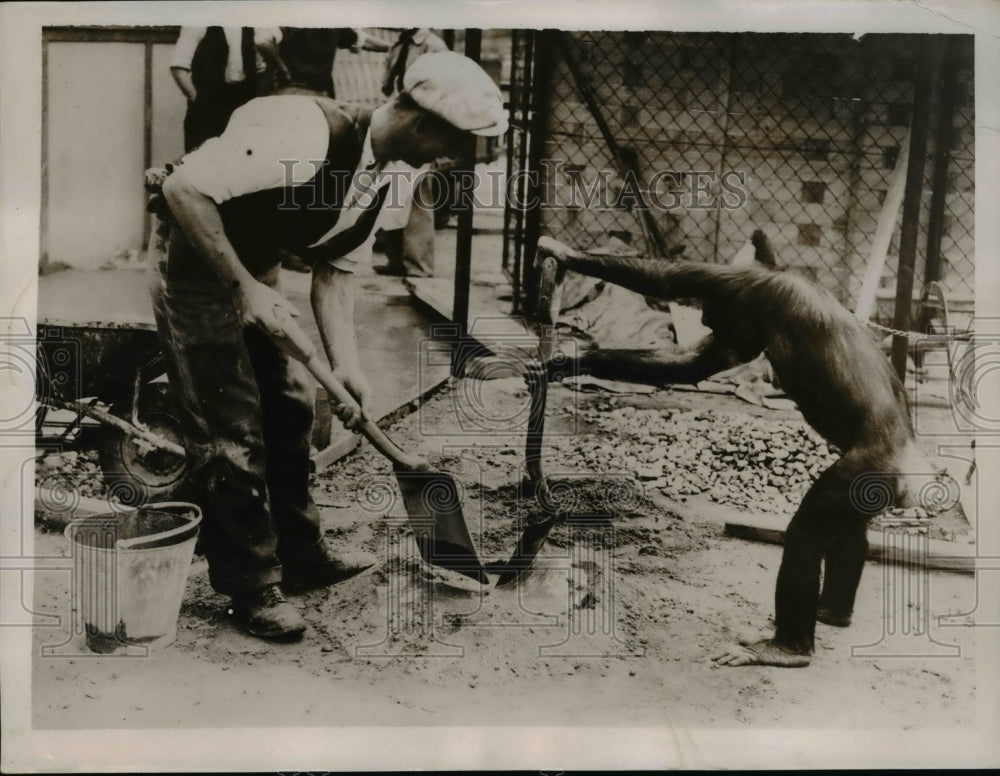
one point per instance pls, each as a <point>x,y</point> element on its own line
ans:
<point>95,153</point>
<point>168,109</point>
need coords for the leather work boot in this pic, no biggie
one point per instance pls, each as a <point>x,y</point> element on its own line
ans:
<point>828,616</point>
<point>266,614</point>
<point>333,568</point>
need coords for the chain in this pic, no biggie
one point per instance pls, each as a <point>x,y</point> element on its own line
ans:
<point>918,337</point>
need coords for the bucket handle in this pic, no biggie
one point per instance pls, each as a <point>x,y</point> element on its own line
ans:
<point>127,544</point>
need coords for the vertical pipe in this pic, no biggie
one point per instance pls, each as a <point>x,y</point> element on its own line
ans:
<point>465,180</point>
<point>929,58</point>
<point>943,138</point>
<point>944,135</point>
<point>524,108</point>
<point>725,90</point>
<point>43,226</point>
<point>547,40</point>
<point>147,129</point>
<point>859,127</point>
<point>512,123</point>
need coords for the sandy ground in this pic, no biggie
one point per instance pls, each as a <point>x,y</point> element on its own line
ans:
<point>614,628</point>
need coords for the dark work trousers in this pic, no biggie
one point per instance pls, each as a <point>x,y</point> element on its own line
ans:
<point>410,250</point>
<point>246,413</point>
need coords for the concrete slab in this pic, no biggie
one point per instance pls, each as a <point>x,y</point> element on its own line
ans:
<point>393,338</point>
<point>489,312</point>
<point>81,297</point>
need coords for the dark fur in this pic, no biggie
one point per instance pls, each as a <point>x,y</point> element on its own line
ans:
<point>826,361</point>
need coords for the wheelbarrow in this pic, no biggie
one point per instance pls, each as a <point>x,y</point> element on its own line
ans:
<point>107,379</point>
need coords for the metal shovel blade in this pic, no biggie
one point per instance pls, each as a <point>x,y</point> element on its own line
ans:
<point>528,547</point>
<point>434,509</point>
<point>431,498</point>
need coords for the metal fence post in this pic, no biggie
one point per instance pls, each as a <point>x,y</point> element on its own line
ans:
<point>465,180</point>
<point>943,138</point>
<point>926,70</point>
<point>541,87</point>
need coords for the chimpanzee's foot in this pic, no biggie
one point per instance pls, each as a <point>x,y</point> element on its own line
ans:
<point>549,248</point>
<point>761,653</point>
<point>826,615</point>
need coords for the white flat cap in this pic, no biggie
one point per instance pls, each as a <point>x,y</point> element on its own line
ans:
<point>458,90</point>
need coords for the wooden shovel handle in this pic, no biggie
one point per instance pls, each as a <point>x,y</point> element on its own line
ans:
<point>298,345</point>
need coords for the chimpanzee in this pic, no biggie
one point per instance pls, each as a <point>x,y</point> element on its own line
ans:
<point>846,389</point>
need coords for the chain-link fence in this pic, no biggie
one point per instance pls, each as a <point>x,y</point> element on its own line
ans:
<point>682,144</point>
<point>357,76</point>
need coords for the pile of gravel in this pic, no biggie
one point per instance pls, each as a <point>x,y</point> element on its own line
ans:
<point>733,459</point>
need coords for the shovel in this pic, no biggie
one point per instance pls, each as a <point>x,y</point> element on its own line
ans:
<point>433,507</point>
<point>534,536</point>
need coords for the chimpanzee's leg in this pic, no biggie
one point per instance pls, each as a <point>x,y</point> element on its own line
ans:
<point>808,538</point>
<point>651,277</point>
<point>843,564</point>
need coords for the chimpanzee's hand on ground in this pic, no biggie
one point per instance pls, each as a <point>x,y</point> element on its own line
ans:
<point>560,366</point>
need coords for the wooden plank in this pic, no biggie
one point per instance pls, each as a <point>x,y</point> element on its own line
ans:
<point>341,445</point>
<point>943,556</point>
<point>108,34</point>
<point>433,295</point>
<point>883,235</point>
<point>966,300</point>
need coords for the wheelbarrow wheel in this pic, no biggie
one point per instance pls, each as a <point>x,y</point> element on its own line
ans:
<point>133,473</point>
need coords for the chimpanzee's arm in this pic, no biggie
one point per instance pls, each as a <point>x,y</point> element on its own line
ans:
<point>652,367</point>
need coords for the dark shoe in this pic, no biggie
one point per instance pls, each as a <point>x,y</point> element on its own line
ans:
<point>414,271</point>
<point>300,578</point>
<point>388,269</point>
<point>266,614</point>
<point>293,262</point>
<point>826,615</point>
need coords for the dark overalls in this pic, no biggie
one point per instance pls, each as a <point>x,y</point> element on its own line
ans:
<point>246,409</point>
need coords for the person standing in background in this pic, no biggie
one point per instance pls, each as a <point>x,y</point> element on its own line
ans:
<point>410,251</point>
<point>302,58</point>
<point>218,70</point>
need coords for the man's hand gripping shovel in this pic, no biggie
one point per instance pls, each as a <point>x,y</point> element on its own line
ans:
<point>433,507</point>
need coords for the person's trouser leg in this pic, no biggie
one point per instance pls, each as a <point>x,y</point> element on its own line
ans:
<point>210,369</point>
<point>287,397</point>
<point>418,234</point>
